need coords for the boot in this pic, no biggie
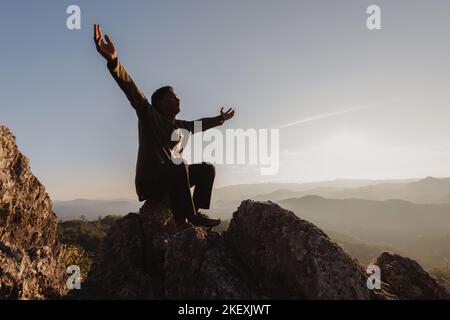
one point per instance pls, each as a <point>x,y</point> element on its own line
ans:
<point>202,220</point>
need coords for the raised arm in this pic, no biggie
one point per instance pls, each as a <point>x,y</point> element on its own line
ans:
<point>107,50</point>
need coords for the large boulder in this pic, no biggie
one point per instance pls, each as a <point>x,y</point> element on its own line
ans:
<point>291,258</point>
<point>144,256</point>
<point>31,258</point>
<point>408,280</point>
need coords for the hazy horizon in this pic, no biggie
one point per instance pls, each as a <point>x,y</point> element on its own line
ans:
<point>350,103</point>
<point>132,198</point>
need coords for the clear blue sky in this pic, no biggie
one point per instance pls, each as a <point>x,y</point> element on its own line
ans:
<point>275,61</point>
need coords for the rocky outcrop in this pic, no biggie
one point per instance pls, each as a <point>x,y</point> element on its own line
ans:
<point>266,253</point>
<point>408,280</point>
<point>144,257</point>
<point>293,259</point>
<point>31,264</point>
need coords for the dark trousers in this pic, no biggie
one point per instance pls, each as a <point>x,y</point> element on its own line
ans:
<point>176,182</point>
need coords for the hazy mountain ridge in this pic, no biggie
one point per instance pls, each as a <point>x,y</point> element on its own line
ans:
<point>398,216</point>
<point>93,209</point>
<point>427,190</point>
<point>238,192</point>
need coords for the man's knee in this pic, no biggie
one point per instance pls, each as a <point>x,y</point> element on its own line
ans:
<point>179,170</point>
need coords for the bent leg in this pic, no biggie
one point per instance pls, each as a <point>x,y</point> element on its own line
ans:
<point>202,175</point>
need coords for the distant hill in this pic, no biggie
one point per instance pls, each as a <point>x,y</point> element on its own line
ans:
<point>227,199</point>
<point>428,190</point>
<point>361,216</point>
<point>93,209</point>
<point>250,191</point>
<point>364,252</point>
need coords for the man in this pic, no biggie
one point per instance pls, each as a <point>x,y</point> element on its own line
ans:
<point>157,175</point>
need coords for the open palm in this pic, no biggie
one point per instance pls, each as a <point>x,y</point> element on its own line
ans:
<point>227,115</point>
<point>105,48</point>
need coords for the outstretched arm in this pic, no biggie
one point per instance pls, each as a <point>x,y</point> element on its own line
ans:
<point>107,50</point>
<point>207,123</point>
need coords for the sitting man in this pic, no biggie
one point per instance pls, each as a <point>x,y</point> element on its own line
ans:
<point>157,174</point>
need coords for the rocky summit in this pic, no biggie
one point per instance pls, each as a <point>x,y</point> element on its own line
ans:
<point>266,253</point>
<point>31,258</point>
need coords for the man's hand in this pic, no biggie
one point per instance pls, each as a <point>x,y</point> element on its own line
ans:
<point>227,115</point>
<point>105,48</point>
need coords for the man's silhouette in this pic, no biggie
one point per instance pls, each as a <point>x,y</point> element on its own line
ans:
<point>157,176</point>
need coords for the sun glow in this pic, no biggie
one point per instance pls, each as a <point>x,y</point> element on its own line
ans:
<point>344,146</point>
<point>347,155</point>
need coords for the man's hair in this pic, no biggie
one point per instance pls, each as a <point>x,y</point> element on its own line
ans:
<point>159,94</point>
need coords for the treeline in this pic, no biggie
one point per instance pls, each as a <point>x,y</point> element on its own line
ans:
<point>85,234</point>
<point>83,239</point>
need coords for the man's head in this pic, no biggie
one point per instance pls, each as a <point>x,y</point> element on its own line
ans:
<point>166,102</point>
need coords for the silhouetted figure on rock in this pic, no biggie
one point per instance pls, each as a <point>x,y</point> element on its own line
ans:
<point>157,176</point>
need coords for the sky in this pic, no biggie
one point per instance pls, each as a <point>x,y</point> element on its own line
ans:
<point>349,102</point>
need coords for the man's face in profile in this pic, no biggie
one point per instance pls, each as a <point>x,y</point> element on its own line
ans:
<point>170,104</point>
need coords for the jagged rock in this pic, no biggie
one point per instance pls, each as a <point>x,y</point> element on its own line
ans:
<point>291,258</point>
<point>200,266</point>
<point>31,258</point>
<point>144,257</point>
<point>408,280</point>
